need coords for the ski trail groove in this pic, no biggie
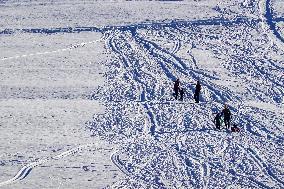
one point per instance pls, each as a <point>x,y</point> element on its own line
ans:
<point>181,134</point>
<point>72,47</point>
<point>25,171</point>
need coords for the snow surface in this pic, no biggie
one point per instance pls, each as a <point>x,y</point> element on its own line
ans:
<point>42,130</point>
<point>86,94</point>
<point>278,15</point>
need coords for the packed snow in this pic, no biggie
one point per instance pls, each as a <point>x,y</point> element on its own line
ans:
<point>86,94</point>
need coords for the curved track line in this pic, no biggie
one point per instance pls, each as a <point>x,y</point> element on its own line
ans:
<point>25,171</point>
<point>72,47</point>
<point>269,20</point>
<point>176,47</point>
<point>116,161</point>
<point>127,47</point>
<point>267,23</point>
<point>263,164</point>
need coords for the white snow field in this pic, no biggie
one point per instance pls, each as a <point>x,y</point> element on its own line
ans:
<point>86,94</point>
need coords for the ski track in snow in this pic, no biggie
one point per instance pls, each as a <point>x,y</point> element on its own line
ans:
<point>172,144</point>
<point>80,45</point>
<point>144,119</point>
<point>271,21</point>
<point>25,171</point>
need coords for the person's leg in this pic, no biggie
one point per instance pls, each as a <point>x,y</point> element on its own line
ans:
<point>197,96</point>
<point>218,126</point>
<point>176,94</point>
<point>226,123</point>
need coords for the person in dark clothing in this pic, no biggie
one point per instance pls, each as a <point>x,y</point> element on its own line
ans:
<point>181,92</point>
<point>217,121</point>
<point>227,116</point>
<point>176,89</point>
<point>197,91</point>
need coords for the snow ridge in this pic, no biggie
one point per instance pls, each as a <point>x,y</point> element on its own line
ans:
<point>166,143</point>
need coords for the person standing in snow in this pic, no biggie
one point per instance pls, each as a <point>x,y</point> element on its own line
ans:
<point>197,91</point>
<point>217,120</point>
<point>181,92</point>
<point>227,116</point>
<point>176,88</point>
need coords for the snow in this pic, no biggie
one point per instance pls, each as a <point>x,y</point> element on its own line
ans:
<point>206,61</point>
<point>278,14</point>
<point>59,74</point>
<point>31,14</point>
<point>39,129</point>
<point>86,94</point>
<point>278,8</point>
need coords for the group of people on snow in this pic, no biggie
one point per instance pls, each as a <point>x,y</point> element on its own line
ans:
<point>180,91</point>
<point>225,113</point>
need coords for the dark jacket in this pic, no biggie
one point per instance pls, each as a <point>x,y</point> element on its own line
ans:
<point>227,113</point>
<point>176,86</point>
<point>217,119</point>
<point>198,88</point>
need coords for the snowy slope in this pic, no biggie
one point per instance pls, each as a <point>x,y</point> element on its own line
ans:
<point>235,48</point>
<point>169,144</point>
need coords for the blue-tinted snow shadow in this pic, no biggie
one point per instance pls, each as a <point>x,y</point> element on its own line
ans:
<point>133,27</point>
<point>51,30</point>
<point>271,22</point>
<point>279,19</point>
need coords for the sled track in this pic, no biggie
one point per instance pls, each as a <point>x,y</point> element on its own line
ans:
<point>25,171</point>
<point>73,47</point>
<point>142,79</point>
<point>146,68</point>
